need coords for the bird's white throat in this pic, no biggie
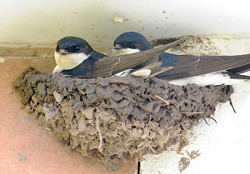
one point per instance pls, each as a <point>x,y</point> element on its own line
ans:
<point>125,51</point>
<point>68,61</point>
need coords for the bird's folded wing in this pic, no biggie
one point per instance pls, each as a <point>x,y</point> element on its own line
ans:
<point>240,69</point>
<point>188,65</point>
<point>109,66</point>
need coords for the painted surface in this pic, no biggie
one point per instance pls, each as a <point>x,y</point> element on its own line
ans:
<point>223,146</point>
<point>48,21</point>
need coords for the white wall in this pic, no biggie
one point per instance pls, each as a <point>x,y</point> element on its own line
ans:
<point>48,21</point>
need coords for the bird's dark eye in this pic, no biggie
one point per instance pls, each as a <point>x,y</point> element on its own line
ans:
<point>134,45</point>
<point>77,48</point>
<point>73,49</point>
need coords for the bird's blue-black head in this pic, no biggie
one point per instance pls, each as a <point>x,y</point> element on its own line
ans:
<point>71,52</point>
<point>131,41</point>
<point>70,44</point>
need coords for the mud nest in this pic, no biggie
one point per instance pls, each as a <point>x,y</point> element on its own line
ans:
<point>117,118</point>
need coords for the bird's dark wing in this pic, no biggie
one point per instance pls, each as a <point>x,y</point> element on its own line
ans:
<point>189,65</point>
<point>236,76</point>
<point>166,62</point>
<point>234,73</point>
<point>239,70</point>
<point>109,66</point>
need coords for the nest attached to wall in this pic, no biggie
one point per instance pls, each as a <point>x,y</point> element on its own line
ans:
<point>117,118</point>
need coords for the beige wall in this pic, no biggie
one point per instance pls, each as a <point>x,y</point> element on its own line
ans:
<point>48,21</point>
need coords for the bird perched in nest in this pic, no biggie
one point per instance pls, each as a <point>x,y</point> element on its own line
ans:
<point>183,66</point>
<point>75,57</point>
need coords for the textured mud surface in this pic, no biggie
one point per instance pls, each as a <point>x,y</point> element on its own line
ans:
<point>117,118</point>
<point>194,45</point>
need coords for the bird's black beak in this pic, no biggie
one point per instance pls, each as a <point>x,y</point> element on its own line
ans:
<point>63,52</point>
<point>117,47</point>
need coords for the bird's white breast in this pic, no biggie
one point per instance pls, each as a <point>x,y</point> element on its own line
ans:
<point>216,78</point>
<point>123,73</point>
<point>68,61</point>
